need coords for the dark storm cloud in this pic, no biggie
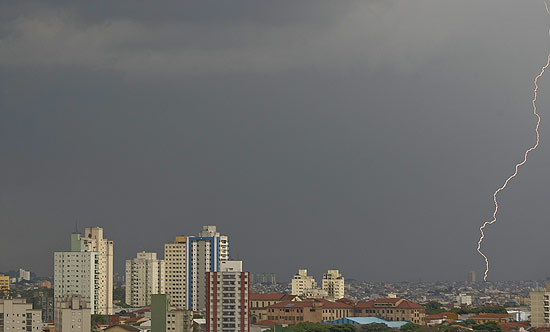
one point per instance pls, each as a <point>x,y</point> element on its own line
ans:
<point>366,136</point>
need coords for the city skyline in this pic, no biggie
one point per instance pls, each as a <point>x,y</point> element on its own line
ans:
<point>365,136</point>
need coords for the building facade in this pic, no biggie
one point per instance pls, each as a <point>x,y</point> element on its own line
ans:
<point>144,277</point>
<point>4,285</point>
<point>540,308</point>
<point>392,309</point>
<point>187,260</point>
<point>227,304</point>
<point>258,304</point>
<point>86,270</point>
<point>73,314</point>
<point>163,319</point>
<point>302,283</point>
<point>18,315</point>
<point>315,311</point>
<point>75,274</point>
<point>333,284</point>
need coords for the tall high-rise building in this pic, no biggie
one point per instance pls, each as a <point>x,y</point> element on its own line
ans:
<point>227,308</point>
<point>333,284</point>
<point>187,260</point>
<point>472,276</point>
<point>86,270</point>
<point>18,315</point>
<point>73,314</point>
<point>302,283</point>
<point>540,312</point>
<point>163,319</point>
<point>24,275</point>
<point>144,277</point>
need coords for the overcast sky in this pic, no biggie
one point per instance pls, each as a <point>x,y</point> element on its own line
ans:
<point>366,136</point>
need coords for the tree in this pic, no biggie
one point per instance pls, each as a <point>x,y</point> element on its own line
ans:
<point>378,327</point>
<point>410,327</point>
<point>433,308</point>
<point>98,319</point>
<point>489,326</point>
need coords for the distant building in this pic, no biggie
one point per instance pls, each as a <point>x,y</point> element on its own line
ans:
<point>333,284</point>
<point>463,299</point>
<point>227,307</point>
<point>47,304</point>
<point>301,283</point>
<point>472,277</point>
<point>187,261</point>
<point>392,309</point>
<point>144,277</point>
<point>163,319</point>
<point>4,285</point>
<point>86,270</point>
<point>540,307</point>
<point>18,315</point>
<point>73,314</point>
<point>483,318</point>
<point>45,284</point>
<point>366,321</point>
<point>24,275</point>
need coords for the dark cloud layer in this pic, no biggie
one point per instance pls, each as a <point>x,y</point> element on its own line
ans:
<point>361,135</point>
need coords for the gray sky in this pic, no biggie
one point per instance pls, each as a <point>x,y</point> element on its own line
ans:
<point>361,135</point>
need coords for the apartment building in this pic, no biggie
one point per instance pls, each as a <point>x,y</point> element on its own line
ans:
<point>86,270</point>
<point>392,309</point>
<point>164,319</point>
<point>227,301</point>
<point>187,260</point>
<point>73,314</point>
<point>4,285</point>
<point>18,315</point>
<point>302,283</point>
<point>333,284</point>
<point>540,308</point>
<point>144,277</point>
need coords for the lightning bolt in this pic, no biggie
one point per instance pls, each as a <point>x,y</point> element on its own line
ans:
<point>534,103</point>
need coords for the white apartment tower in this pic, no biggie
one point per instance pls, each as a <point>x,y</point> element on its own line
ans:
<point>73,314</point>
<point>227,308</point>
<point>187,260</point>
<point>302,283</point>
<point>144,277</point>
<point>333,284</point>
<point>18,315</point>
<point>86,270</point>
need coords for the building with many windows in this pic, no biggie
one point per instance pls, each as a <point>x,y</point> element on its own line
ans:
<point>18,315</point>
<point>86,270</point>
<point>4,285</point>
<point>333,284</point>
<point>540,307</point>
<point>164,319</point>
<point>73,314</point>
<point>392,309</point>
<point>187,260</point>
<point>227,304</point>
<point>144,277</point>
<point>302,283</point>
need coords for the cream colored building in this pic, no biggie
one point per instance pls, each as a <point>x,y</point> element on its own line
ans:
<point>540,308</point>
<point>144,277</point>
<point>179,321</point>
<point>75,274</point>
<point>302,283</point>
<point>18,315</point>
<point>333,284</point>
<point>86,270</point>
<point>73,314</point>
<point>187,260</point>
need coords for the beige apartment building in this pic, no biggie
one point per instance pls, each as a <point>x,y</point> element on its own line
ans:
<point>144,277</point>
<point>73,314</point>
<point>187,260</point>
<point>86,270</point>
<point>392,309</point>
<point>302,283</point>
<point>540,307</point>
<point>4,285</point>
<point>315,311</point>
<point>333,285</point>
<point>18,315</point>
<point>258,304</point>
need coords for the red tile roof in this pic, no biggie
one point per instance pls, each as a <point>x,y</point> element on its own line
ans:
<point>293,304</point>
<point>266,322</point>
<point>395,302</point>
<point>330,304</point>
<point>267,297</point>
